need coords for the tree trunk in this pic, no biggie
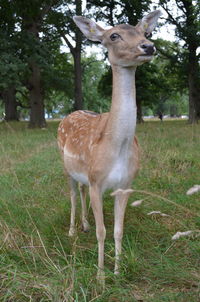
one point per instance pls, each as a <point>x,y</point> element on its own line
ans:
<point>193,64</point>
<point>76,53</point>
<point>36,96</point>
<point>37,114</point>
<point>9,98</point>
<point>194,89</point>
<point>139,111</point>
<point>78,96</point>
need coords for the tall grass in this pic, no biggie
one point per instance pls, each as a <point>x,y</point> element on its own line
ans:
<point>39,262</point>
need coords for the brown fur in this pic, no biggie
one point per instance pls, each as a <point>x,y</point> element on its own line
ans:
<point>72,134</point>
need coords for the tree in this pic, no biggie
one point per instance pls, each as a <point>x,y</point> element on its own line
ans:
<point>114,11</point>
<point>187,22</point>
<point>93,69</point>
<point>63,21</point>
<point>31,18</point>
<point>11,65</point>
<point>58,85</point>
<point>38,41</point>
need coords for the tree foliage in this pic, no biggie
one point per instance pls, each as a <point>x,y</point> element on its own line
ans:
<point>34,70</point>
<point>187,28</point>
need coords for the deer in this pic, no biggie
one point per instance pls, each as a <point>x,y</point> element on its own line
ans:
<point>101,151</point>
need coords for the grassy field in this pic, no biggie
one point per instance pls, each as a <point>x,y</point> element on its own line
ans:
<point>39,262</point>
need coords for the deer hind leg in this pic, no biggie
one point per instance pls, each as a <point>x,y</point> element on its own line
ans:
<point>97,207</point>
<point>73,195</point>
<point>119,212</point>
<point>83,194</point>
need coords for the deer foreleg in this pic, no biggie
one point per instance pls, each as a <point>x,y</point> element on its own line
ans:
<point>97,207</point>
<point>119,212</point>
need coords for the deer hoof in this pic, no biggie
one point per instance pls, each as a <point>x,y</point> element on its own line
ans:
<point>86,226</point>
<point>101,280</point>
<point>72,232</point>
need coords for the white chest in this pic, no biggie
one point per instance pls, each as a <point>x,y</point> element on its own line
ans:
<point>118,176</point>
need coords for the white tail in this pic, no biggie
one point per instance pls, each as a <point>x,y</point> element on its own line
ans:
<point>101,150</point>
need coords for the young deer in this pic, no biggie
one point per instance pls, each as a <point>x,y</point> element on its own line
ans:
<point>101,150</point>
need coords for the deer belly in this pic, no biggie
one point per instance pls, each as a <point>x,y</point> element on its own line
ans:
<point>74,166</point>
<point>80,177</point>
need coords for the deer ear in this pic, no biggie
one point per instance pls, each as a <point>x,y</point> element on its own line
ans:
<point>149,22</point>
<point>89,28</point>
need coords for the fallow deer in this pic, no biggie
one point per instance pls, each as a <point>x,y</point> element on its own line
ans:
<point>101,150</point>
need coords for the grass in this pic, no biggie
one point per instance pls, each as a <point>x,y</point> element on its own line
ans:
<point>39,262</point>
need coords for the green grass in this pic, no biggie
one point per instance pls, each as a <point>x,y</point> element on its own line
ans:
<point>39,262</point>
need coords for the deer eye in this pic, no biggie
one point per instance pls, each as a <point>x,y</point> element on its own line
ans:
<point>114,37</point>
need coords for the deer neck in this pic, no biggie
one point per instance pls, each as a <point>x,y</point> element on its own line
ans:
<point>123,114</point>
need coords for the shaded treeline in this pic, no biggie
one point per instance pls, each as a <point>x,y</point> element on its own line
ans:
<point>36,76</point>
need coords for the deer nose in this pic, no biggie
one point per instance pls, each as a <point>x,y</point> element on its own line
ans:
<point>148,48</point>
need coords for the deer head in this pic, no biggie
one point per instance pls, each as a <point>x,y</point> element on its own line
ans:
<point>127,45</point>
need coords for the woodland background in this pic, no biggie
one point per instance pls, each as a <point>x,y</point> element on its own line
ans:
<point>40,78</point>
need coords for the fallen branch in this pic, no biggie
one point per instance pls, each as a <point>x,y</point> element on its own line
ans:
<point>137,203</point>
<point>157,213</point>
<point>194,189</point>
<point>184,234</point>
